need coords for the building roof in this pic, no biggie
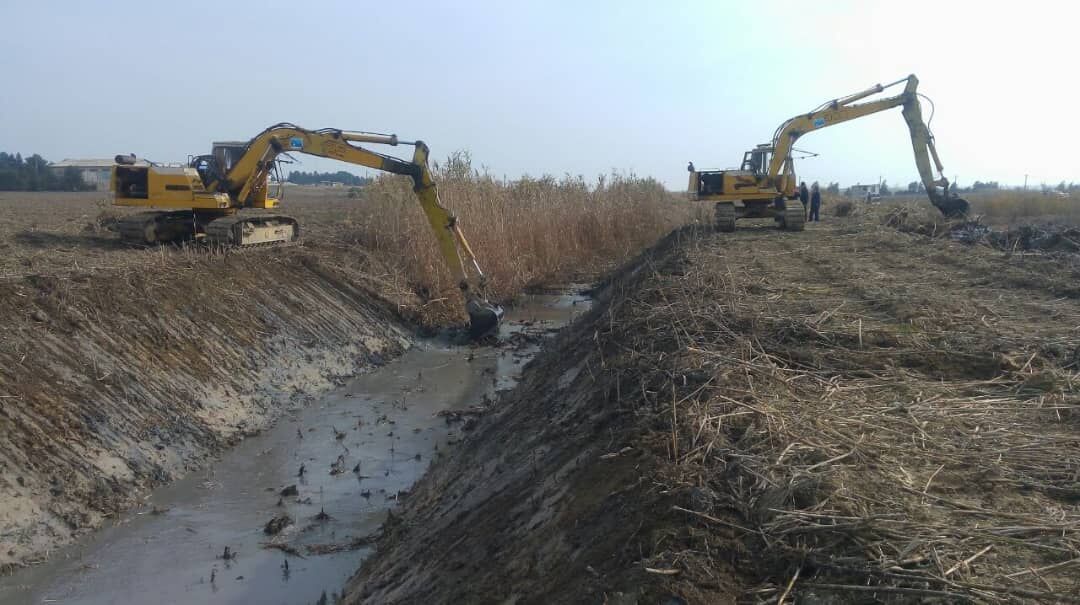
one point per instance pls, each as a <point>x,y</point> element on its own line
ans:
<point>91,163</point>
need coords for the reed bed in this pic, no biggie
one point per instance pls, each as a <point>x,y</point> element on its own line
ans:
<point>527,233</point>
<point>1003,209</point>
<point>1017,207</point>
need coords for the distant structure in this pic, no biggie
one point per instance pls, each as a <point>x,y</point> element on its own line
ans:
<point>864,192</point>
<point>93,172</point>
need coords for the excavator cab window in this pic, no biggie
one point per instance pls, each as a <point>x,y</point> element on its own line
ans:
<point>131,182</point>
<point>229,153</point>
<point>216,166</point>
<point>208,170</point>
<point>711,183</point>
<point>755,161</point>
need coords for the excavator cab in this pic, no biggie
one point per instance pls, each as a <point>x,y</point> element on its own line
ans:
<point>212,168</point>
<point>757,159</point>
<point>228,153</point>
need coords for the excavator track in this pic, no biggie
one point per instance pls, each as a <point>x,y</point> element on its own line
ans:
<point>725,217</point>
<point>150,228</point>
<point>246,231</point>
<point>794,216</point>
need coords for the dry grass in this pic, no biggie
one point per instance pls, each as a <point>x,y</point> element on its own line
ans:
<point>1001,208</point>
<point>891,426</point>
<point>843,208</point>
<point>527,233</point>
<point>1017,207</point>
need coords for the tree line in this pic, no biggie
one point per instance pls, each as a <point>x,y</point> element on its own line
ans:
<point>1063,187</point>
<point>299,177</point>
<point>34,174</point>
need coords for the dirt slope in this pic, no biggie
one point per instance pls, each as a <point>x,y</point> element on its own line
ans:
<point>849,414</point>
<point>114,380</point>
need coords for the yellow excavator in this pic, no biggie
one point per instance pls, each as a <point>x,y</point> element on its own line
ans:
<point>202,200</point>
<point>765,183</point>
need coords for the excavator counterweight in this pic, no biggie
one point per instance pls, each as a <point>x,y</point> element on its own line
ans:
<point>203,199</point>
<point>765,183</point>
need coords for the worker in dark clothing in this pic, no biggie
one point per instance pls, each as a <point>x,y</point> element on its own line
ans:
<point>815,203</point>
<point>804,197</point>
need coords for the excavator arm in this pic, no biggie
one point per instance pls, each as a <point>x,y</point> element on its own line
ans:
<point>844,110</point>
<point>247,178</point>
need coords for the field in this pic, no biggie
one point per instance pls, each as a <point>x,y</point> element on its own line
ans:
<point>875,410</point>
<point>1017,207</point>
<point>1004,209</point>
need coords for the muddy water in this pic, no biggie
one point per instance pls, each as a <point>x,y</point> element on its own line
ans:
<point>359,447</point>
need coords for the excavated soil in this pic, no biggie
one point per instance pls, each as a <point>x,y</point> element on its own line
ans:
<point>122,369</point>
<point>850,414</point>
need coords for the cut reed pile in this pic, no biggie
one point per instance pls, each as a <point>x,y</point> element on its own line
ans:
<point>530,232</point>
<point>874,418</point>
<point>1049,238</point>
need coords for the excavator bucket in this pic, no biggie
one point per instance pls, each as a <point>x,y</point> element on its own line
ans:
<point>951,206</point>
<point>484,318</point>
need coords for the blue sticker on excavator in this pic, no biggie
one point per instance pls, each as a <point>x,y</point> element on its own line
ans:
<point>819,122</point>
<point>296,143</point>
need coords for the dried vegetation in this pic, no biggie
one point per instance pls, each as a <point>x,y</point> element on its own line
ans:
<point>852,414</point>
<point>527,233</point>
<point>869,416</point>
<point>1017,207</point>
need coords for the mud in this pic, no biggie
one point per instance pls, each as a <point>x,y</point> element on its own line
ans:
<point>547,499</point>
<point>361,447</point>
<point>113,382</point>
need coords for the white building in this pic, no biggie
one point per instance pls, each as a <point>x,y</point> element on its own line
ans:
<point>94,172</point>
<point>864,192</point>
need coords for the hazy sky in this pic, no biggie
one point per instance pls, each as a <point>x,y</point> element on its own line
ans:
<point>549,87</point>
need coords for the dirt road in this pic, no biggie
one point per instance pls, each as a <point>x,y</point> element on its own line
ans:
<point>844,414</point>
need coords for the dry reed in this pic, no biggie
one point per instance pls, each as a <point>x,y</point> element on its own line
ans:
<point>1015,207</point>
<point>866,426</point>
<point>1003,208</point>
<point>527,233</point>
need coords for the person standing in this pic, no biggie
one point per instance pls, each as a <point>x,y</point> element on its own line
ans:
<point>804,197</point>
<point>815,203</point>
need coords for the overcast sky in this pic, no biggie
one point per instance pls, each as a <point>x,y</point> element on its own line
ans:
<point>549,87</point>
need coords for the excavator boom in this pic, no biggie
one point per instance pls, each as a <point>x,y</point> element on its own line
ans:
<point>845,109</point>
<point>236,176</point>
